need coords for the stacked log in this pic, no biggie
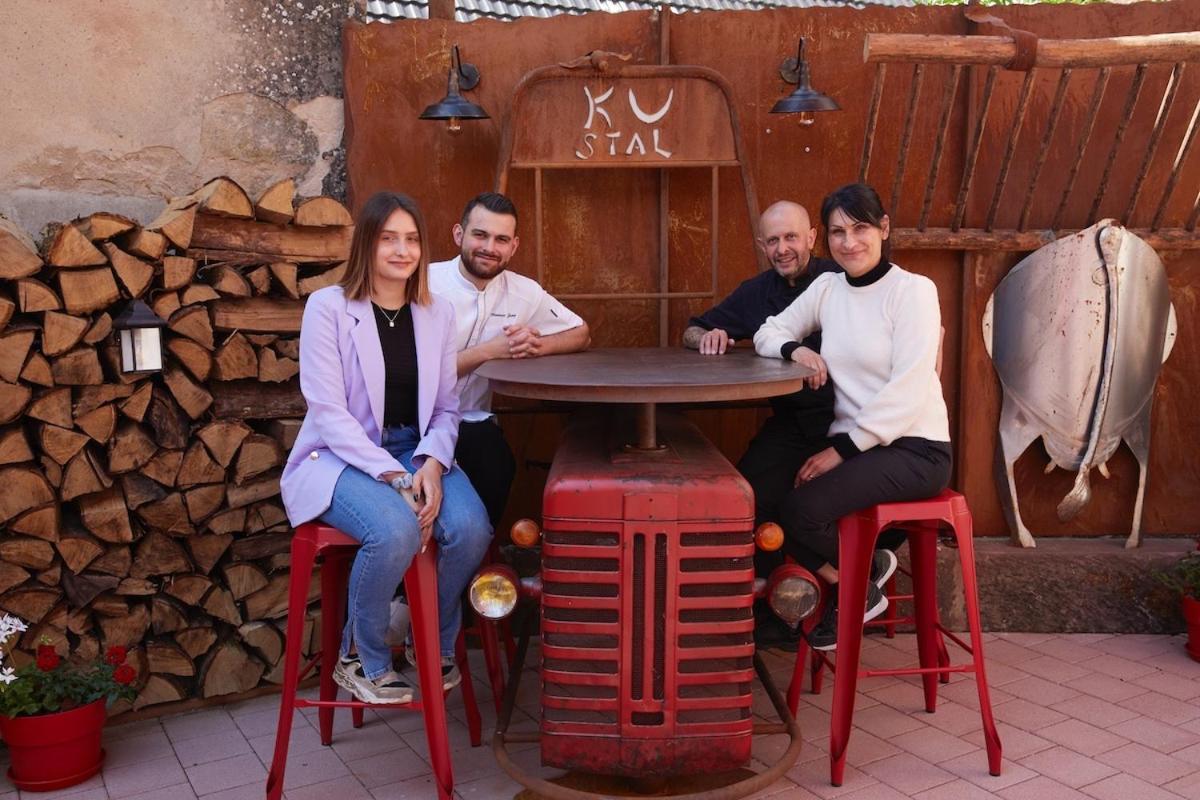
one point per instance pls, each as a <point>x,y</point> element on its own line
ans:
<point>143,510</point>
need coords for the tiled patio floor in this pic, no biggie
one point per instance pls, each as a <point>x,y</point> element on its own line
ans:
<point>1081,716</point>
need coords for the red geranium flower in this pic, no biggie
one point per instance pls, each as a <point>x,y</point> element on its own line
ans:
<point>115,655</point>
<point>47,658</point>
<point>124,674</point>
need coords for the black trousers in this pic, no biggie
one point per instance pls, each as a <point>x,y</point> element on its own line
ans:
<point>487,459</point>
<point>909,468</point>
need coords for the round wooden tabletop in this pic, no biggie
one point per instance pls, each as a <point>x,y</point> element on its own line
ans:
<point>645,375</point>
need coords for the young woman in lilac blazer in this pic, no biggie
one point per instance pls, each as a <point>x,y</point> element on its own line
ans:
<point>377,369</point>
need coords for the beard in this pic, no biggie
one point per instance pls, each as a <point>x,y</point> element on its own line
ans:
<point>483,269</point>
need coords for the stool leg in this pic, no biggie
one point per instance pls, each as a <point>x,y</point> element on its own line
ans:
<point>303,554</point>
<point>817,669</point>
<point>890,614</point>
<point>795,686</point>
<point>923,548</point>
<point>943,657</point>
<point>491,658</point>
<point>474,722</point>
<point>855,551</point>
<point>333,615</point>
<point>420,583</point>
<point>964,533</point>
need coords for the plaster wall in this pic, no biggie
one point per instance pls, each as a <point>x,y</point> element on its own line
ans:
<point>118,105</point>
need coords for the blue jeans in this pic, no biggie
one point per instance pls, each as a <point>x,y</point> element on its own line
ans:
<point>380,519</point>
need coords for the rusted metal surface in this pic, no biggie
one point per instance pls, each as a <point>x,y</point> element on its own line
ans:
<point>1001,50</point>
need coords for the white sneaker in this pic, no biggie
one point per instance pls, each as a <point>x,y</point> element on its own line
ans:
<point>390,687</point>
<point>451,677</point>
<point>398,623</point>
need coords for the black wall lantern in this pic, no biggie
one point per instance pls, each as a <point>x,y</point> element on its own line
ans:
<point>140,332</point>
<point>805,100</point>
<point>454,106</point>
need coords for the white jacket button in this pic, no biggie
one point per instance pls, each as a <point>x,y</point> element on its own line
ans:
<point>314,455</point>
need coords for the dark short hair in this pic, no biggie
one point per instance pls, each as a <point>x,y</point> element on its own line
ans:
<point>860,202</point>
<point>493,201</point>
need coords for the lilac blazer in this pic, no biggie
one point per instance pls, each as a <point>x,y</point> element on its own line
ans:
<point>341,376</point>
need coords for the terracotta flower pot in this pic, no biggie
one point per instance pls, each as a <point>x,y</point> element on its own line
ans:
<point>53,751</point>
<point>1191,615</point>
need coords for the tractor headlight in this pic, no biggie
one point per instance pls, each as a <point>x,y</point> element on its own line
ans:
<point>493,592</point>
<point>793,593</point>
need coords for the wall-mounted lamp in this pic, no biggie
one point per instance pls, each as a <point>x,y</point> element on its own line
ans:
<point>805,100</point>
<point>140,331</point>
<point>453,106</point>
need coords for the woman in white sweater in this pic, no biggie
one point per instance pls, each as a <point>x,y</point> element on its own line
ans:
<point>890,439</point>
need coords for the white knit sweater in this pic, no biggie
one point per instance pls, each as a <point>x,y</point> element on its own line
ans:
<point>880,343</point>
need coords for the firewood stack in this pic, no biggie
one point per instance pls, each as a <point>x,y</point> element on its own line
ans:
<point>143,510</point>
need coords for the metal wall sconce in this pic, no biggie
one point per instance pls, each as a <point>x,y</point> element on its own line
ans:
<point>140,331</point>
<point>454,106</point>
<point>805,100</point>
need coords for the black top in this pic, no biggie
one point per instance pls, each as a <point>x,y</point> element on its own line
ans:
<point>744,311</point>
<point>399,365</point>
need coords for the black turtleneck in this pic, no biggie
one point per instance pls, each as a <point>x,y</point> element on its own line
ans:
<point>867,278</point>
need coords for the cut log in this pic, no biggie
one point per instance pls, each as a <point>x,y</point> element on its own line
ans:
<point>235,359</point>
<point>165,304</point>
<point>198,467</point>
<point>34,296</point>
<point>258,315</point>
<point>92,397</point>
<point>167,615</point>
<point>100,423</point>
<point>164,466</point>
<point>192,397</point>
<point>72,249</point>
<point>139,490</point>
<point>166,658</point>
<point>264,545</point>
<point>87,290</point>
<point>168,514</point>
<point>144,243</point>
<point>228,281</point>
<point>189,589</point>
<point>80,367</point>
<point>11,575</point>
<point>249,242</point>
<point>169,422</point>
<point>193,322</point>
<point>14,447</point>
<point>194,358</point>
<point>243,578</point>
<point>198,293</point>
<point>157,554</point>
<point>41,522</point>
<point>260,279</point>
<point>105,515</point>
<point>274,368</point>
<point>327,278</point>
<point>219,603</point>
<point>51,577</point>
<point>135,274</point>
<point>160,689</point>
<point>285,276</point>
<point>83,589</point>
<point>18,254</point>
<point>130,449</point>
<point>102,226</point>
<point>275,204</point>
<point>110,604</point>
<point>7,307</point>
<point>136,404</point>
<point>52,471</point>
<point>244,495</point>
<point>204,501</point>
<point>221,196</point>
<point>178,271</point>
<point>264,639</point>
<point>284,431</point>
<point>207,550</point>
<point>196,641</point>
<point>272,601</point>
<point>13,399</point>
<point>137,587</point>
<point>60,443</point>
<point>228,521</point>
<point>229,669</point>
<point>101,328</point>
<point>78,550</point>
<point>79,478</point>
<point>288,348</point>
<point>257,455</point>
<point>322,211</point>
<point>31,603</point>
<point>37,370</point>
<point>114,561</point>
<point>79,622</point>
<point>14,349</point>
<point>223,438</point>
<point>253,400</point>
<point>25,551</point>
<point>24,488</point>
<point>175,222</point>
<point>61,332</point>
<point>126,630</point>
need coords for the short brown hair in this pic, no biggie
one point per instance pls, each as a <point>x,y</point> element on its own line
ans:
<point>356,283</point>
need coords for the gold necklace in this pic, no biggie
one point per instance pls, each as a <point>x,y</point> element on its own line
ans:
<point>392,319</point>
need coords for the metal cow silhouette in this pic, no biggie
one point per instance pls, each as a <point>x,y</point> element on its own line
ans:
<point>1078,332</point>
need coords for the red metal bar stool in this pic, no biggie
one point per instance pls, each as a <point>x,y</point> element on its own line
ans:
<point>857,534</point>
<point>336,549</point>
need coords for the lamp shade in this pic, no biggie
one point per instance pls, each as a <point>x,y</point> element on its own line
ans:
<point>140,332</point>
<point>454,106</point>
<point>804,99</point>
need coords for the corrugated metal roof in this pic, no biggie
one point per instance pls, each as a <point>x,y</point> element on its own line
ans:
<point>467,10</point>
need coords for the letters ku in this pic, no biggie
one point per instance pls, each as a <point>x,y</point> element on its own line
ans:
<point>635,143</point>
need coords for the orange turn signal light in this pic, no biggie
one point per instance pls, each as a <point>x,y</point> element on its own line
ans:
<point>525,533</point>
<point>769,537</point>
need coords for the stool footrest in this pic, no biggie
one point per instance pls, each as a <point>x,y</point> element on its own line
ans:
<point>954,638</point>
<point>413,705</point>
<point>879,673</point>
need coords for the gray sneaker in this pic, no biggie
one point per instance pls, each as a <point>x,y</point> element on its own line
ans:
<point>883,565</point>
<point>390,687</point>
<point>451,677</point>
